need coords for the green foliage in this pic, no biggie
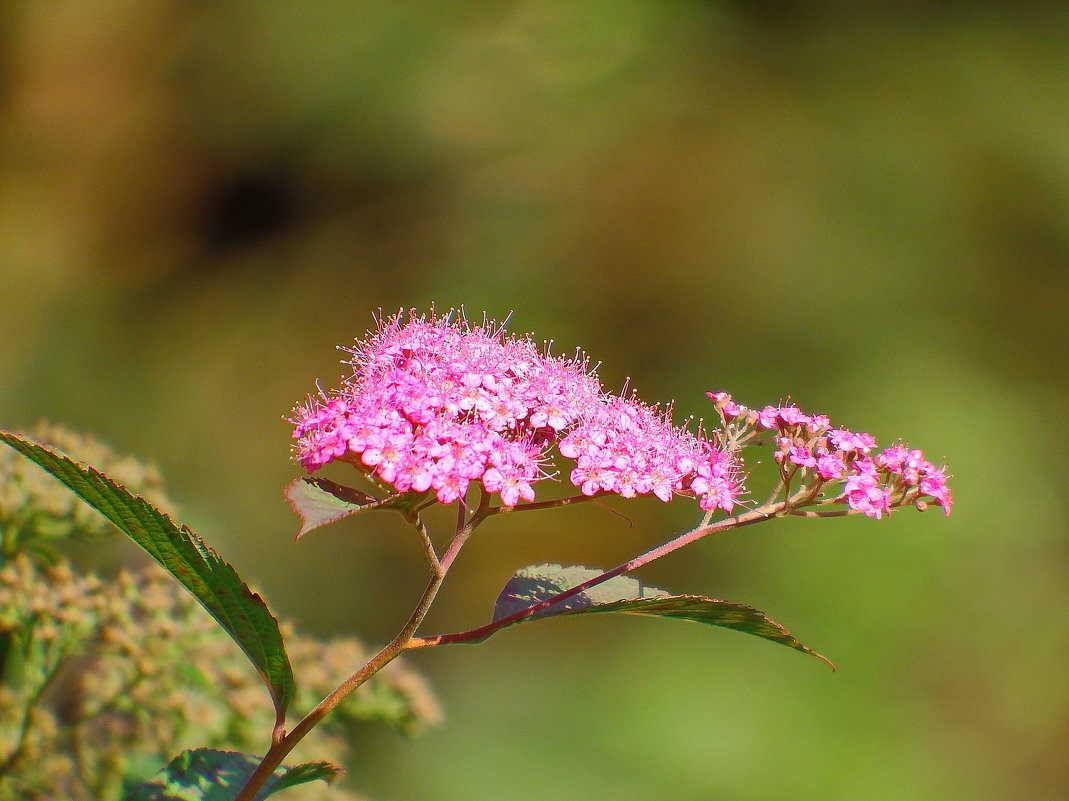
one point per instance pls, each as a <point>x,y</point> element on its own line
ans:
<point>538,583</point>
<point>105,679</point>
<point>320,501</point>
<point>108,679</point>
<point>300,774</point>
<point>208,775</point>
<point>37,513</point>
<point>241,612</point>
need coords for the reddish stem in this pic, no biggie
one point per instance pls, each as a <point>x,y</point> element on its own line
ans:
<point>481,633</point>
<point>282,742</point>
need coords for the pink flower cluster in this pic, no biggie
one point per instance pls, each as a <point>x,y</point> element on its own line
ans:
<point>436,403</point>
<point>872,484</point>
<point>621,445</point>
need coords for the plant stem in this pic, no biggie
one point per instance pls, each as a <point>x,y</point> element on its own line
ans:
<point>551,504</point>
<point>766,512</point>
<point>283,742</point>
<point>428,544</point>
<point>30,714</point>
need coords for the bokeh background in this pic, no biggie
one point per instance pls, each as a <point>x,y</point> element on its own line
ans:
<point>863,208</point>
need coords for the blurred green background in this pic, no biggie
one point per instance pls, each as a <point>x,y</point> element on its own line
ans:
<point>865,209</point>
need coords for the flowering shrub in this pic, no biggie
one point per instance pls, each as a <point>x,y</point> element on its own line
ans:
<point>439,411</point>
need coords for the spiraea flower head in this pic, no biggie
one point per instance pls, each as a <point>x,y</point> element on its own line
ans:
<point>870,481</point>
<point>437,403</point>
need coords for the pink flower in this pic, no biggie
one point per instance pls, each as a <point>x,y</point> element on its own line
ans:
<point>934,485</point>
<point>864,494</point>
<point>849,441</point>
<point>818,424</point>
<point>662,483</point>
<point>802,457</point>
<point>793,416</point>
<point>768,417</point>
<point>591,477</point>
<point>512,485</point>
<point>724,402</point>
<point>388,455</point>
<point>830,466</point>
<point>449,486</point>
<point>892,459</point>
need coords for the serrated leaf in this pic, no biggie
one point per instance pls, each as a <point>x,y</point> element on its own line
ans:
<point>623,594</point>
<point>531,585</point>
<point>215,583</point>
<point>300,774</point>
<point>209,775</point>
<point>320,501</point>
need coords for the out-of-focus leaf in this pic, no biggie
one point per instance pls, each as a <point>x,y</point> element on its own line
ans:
<point>241,612</point>
<point>623,594</point>
<point>208,775</point>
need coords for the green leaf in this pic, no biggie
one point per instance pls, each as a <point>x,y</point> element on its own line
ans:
<point>537,583</point>
<point>300,774</point>
<point>626,595</point>
<point>208,775</point>
<point>241,612</point>
<point>319,501</point>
